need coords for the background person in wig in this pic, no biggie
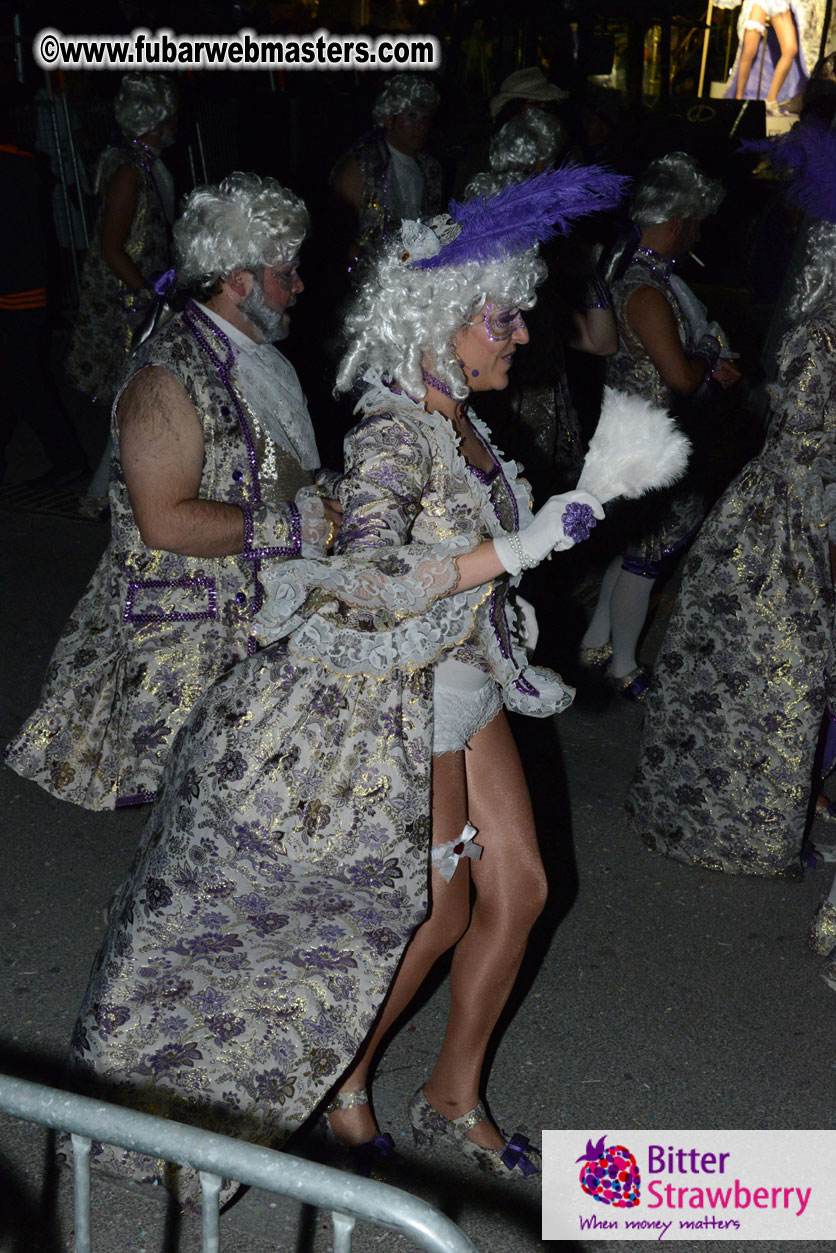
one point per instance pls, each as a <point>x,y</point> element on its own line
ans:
<point>285,866</point>
<point>746,671</point>
<point>536,418</point>
<point>667,353</point>
<point>386,175</point>
<point>130,248</point>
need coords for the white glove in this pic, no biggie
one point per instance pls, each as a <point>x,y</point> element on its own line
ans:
<point>561,523</point>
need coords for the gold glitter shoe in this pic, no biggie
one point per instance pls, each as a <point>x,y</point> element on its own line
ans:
<point>594,658</point>
<point>632,686</point>
<point>822,937</point>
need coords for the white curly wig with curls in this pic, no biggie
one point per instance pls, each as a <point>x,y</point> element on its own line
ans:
<point>674,184</point>
<point>516,149</point>
<point>405,91</point>
<point>143,102</point>
<point>244,223</point>
<point>815,281</point>
<point>404,315</point>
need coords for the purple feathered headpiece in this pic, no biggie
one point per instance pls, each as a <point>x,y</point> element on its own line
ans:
<point>527,213</point>
<point>807,155</point>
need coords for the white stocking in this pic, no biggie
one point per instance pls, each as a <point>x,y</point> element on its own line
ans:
<point>628,609</point>
<point>598,631</point>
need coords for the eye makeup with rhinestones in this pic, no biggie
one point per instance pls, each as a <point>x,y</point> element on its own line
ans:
<point>501,323</point>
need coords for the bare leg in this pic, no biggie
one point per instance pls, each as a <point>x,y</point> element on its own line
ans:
<point>749,50</point>
<point>510,894</point>
<point>784,27</point>
<point>445,923</point>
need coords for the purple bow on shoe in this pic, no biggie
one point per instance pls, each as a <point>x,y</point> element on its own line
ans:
<point>515,1153</point>
<point>578,520</point>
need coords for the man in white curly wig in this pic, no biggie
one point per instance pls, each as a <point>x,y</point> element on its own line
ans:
<point>212,481</point>
<point>668,353</point>
<point>386,175</point>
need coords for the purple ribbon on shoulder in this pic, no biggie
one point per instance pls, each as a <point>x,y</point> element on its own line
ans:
<point>578,520</point>
<point>515,1153</point>
<point>163,285</point>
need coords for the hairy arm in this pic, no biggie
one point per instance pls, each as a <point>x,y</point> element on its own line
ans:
<point>120,208</point>
<point>161,443</point>
<point>651,317</point>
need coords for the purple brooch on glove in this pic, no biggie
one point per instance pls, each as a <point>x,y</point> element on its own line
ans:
<point>578,520</point>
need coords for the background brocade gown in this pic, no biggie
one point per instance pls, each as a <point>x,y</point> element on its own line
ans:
<point>741,684</point>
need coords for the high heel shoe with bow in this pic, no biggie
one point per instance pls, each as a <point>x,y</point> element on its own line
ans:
<point>372,1159</point>
<point>517,1160</point>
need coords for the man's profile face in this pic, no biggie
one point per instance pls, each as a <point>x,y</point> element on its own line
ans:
<point>273,293</point>
<point>408,131</point>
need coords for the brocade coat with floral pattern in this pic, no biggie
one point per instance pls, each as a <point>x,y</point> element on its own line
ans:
<point>741,683</point>
<point>154,629</point>
<point>285,864</point>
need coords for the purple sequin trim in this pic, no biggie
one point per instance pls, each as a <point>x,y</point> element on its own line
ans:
<point>485,476</point>
<point>138,798</point>
<point>294,549</point>
<point>494,616</point>
<point>578,520</point>
<point>523,685</point>
<point>191,316</point>
<point>206,582</point>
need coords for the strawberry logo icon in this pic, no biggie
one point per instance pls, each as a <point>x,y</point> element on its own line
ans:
<point>610,1174</point>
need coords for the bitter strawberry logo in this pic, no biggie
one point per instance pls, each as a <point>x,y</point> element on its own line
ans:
<point>610,1174</point>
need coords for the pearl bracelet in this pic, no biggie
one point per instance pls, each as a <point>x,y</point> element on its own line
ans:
<point>525,561</point>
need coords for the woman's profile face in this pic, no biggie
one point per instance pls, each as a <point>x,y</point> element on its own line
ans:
<point>486,346</point>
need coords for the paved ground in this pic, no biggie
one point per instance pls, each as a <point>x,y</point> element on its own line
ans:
<point>654,995</point>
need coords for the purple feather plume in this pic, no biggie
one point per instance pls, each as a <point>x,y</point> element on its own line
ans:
<point>807,154</point>
<point>524,214</point>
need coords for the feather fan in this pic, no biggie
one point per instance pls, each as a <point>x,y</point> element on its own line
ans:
<point>524,214</point>
<point>636,448</point>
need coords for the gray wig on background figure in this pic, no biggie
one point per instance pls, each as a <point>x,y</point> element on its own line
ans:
<point>526,143</point>
<point>143,102</point>
<point>244,223</point>
<point>671,185</point>
<point>402,92</point>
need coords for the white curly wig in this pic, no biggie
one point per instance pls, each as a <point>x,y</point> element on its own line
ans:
<point>144,100</point>
<point>816,278</point>
<point>405,91</point>
<point>403,314</point>
<point>516,149</point>
<point>244,223</point>
<point>674,184</point>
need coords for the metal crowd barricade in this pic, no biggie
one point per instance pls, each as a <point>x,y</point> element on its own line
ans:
<point>219,1157</point>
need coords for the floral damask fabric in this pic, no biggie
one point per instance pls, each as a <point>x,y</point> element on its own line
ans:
<point>741,683</point>
<point>285,864</point>
<point>153,628</point>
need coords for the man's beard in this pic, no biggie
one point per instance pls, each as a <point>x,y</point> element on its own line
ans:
<point>269,322</point>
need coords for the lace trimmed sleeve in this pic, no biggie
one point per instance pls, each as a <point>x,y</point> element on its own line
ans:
<point>375,567</point>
